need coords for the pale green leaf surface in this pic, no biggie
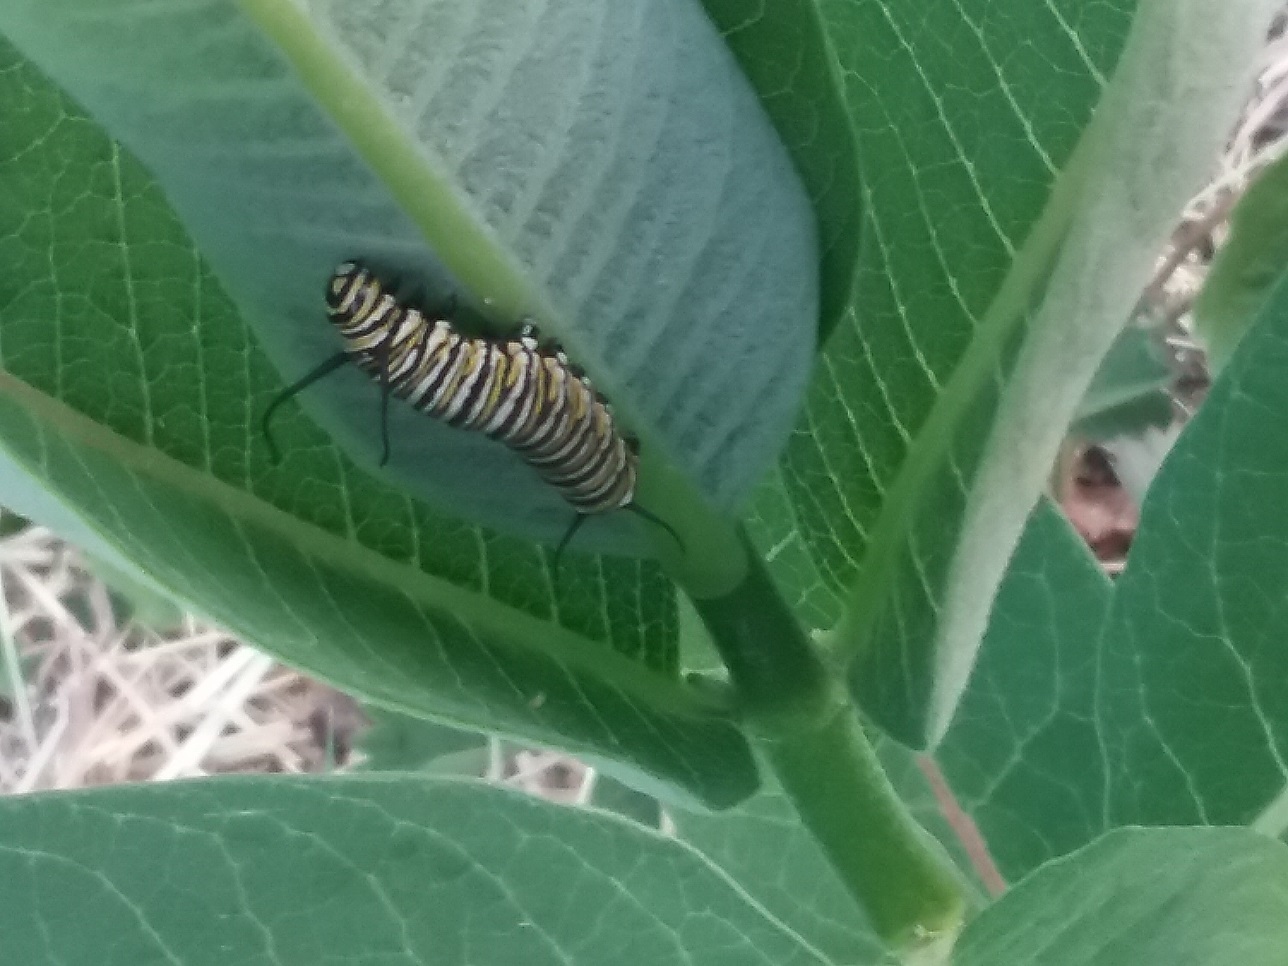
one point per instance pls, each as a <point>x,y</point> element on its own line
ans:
<point>1145,897</point>
<point>1130,392</point>
<point>1192,687</point>
<point>1247,268</point>
<point>764,846</point>
<point>612,796</point>
<point>400,742</point>
<point>603,167</point>
<point>908,773</point>
<point>136,597</point>
<point>1006,236</point>
<point>393,871</point>
<point>932,100</point>
<point>107,307</point>
<point>1137,459</point>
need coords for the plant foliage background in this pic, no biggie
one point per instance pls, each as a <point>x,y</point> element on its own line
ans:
<point>985,188</point>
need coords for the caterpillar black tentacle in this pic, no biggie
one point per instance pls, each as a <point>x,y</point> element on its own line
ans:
<point>522,391</point>
<point>294,389</point>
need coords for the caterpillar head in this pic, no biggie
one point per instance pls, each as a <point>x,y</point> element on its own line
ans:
<point>339,290</point>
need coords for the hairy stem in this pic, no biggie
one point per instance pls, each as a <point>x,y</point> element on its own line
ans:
<point>889,863</point>
<point>811,736</point>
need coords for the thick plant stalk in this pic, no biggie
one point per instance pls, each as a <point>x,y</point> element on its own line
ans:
<point>811,737</point>
<point>889,863</point>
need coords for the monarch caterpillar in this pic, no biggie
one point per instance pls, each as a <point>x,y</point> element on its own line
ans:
<point>518,390</point>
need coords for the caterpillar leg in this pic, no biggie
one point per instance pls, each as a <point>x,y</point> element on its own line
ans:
<point>566,539</point>
<point>293,390</point>
<point>529,335</point>
<point>656,520</point>
<point>435,308</point>
<point>385,393</point>
<point>635,508</point>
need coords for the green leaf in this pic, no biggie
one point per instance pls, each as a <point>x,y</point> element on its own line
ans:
<point>400,742</point>
<point>1023,756</point>
<point>406,640</point>
<point>1248,267</point>
<point>11,523</point>
<point>1163,701</point>
<point>136,597</point>
<point>1022,171</point>
<point>914,777</point>
<point>1192,701</point>
<point>6,678</point>
<point>784,52</point>
<point>763,845</point>
<point>816,747</point>
<point>613,796</point>
<point>605,169</point>
<point>1130,391</point>
<point>397,871</point>
<point>137,438</point>
<point>397,742</point>
<point>1137,459</point>
<point>1156,897</point>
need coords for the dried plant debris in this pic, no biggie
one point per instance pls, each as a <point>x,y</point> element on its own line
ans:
<point>1122,463</point>
<point>90,695</point>
<point>98,699</point>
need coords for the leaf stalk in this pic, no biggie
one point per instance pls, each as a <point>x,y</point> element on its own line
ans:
<point>811,737</point>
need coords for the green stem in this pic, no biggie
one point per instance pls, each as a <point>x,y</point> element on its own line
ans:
<point>812,738</point>
<point>888,862</point>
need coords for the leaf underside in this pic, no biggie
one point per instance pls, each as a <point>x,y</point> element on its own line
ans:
<point>108,309</point>
<point>1150,897</point>
<point>605,169</point>
<point>1005,154</point>
<point>399,871</point>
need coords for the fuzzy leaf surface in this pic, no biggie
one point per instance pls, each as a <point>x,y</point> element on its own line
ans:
<point>604,169</point>
<point>130,396</point>
<point>1150,897</point>
<point>403,871</point>
<point>1023,165</point>
<point>1159,699</point>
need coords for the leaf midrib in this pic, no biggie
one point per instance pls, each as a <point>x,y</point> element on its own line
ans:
<point>928,450</point>
<point>404,167</point>
<point>518,629</point>
<point>709,564</point>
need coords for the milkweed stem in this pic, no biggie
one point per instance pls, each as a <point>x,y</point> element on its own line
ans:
<point>811,736</point>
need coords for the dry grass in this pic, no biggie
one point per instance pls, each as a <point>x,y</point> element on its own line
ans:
<point>95,700</point>
<point>1259,139</point>
<point>105,700</point>
<point>1098,485</point>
